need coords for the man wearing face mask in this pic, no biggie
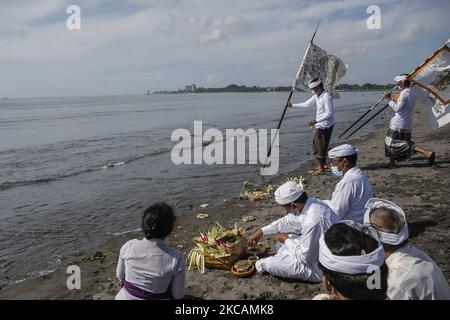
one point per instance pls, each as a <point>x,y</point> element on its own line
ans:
<point>354,190</point>
<point>298,233</point>
<point>324,120</point>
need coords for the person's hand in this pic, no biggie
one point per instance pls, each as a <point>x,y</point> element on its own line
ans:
<point>281,237</point>
<point>387,95</point>
<point>254,238</point>
<point>289,104</point>
<point>312,122</point>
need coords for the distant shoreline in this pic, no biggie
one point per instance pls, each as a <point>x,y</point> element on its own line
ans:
<point>232,88</point>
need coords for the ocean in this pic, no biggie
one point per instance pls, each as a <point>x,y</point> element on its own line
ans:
<point>76,171</point>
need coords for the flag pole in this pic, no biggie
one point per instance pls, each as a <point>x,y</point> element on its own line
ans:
<point>379,111</point>
<point>359,119</point>
<point>291,93</point>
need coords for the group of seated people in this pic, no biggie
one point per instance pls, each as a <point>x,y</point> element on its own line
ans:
<point>355,244</point>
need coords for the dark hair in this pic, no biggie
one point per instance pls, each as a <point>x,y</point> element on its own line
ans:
<point>302,199</point>
<point>352,159</point>
<point>406,83</point>
<point>158,221</point>
<point>343,240</point>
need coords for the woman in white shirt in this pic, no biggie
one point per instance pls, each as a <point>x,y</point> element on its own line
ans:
<point>150,269</point>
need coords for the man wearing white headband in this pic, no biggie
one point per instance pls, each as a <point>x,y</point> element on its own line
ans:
<point>324,120</point>
<point>298,232</point>
<point>398,144</point>
<point>352,261</point>
<point>413,275</point>
<point>354,190</point>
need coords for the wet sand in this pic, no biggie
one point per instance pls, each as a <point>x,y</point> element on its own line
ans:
<point>420,190</point>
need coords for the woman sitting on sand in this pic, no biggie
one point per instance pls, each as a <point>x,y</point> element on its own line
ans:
<point>150,269</point>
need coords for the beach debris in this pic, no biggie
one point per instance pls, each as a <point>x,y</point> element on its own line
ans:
<point>248,184</point>
<point>98,256</point>
<point>202,216</point>
<point>373,146</point>
<point>257,195</point>
<point>111,165</point>
<point>248,218</point>
<point>214,246</point>
<point>180,246</point>
<point>240,205</point>
<point>300,180</point>
<point>204,205</point>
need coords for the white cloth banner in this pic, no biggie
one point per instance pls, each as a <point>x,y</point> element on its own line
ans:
<point>317,63</point>
<point>433,77</point>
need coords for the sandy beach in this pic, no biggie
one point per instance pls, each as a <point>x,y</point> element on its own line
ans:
<point>420,190</point>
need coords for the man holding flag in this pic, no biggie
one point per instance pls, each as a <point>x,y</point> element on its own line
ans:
<point>324,120</point>
<point>398,145</point>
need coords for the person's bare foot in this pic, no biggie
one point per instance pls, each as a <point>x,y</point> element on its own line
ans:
<point>431,159</point>
<point>391,163</point>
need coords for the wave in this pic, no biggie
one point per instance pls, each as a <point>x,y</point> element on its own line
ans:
<point>52,178</point>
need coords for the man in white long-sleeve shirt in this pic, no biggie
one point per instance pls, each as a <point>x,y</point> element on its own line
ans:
<point>354,190</point>
<point>413,275</point>
<point>398,143</point>
<point>324,120</point>
<point>298,232</point>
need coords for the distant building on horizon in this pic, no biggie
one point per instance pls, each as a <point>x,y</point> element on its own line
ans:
<point>190,88</point>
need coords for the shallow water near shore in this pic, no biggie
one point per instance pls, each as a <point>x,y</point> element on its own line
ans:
<point>76,171</point>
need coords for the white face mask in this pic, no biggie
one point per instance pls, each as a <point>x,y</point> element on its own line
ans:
<point>336,171</point>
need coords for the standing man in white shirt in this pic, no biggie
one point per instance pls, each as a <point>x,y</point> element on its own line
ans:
<point>398,143</point>
<point>324,121</point>
<point>413,275</point>
<point>354,190</point>
<point>298,232</point>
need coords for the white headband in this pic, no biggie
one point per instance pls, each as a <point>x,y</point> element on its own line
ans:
<point>401,78</point>
<point>344,150</point>
<point>350,264</point>
<point>314,84</point>
<point>288,192</point>
<point>386,237</point>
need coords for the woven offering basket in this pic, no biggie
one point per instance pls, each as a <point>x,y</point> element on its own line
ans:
<point>236,251</point>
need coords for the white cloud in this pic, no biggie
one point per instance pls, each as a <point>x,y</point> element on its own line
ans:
<point>214,36</point>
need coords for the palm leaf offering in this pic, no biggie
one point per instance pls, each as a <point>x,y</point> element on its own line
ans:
<point>219,248</point>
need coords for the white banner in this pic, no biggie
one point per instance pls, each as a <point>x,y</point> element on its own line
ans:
<point>433,77</point>
<point>317,63</point>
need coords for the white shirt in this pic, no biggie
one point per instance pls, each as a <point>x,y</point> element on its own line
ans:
<point>351,195</point>
<point>324,111</point>
<point>405,106</point>
<point>152,265</point>
<point>413,275</point>
<point>307,227</point>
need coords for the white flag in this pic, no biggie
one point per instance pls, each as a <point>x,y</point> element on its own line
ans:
<point>317,63</point>
<point>433,77</point>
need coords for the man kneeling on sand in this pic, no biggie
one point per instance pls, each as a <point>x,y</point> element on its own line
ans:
<point>298,232</point>
<point>413,275</point>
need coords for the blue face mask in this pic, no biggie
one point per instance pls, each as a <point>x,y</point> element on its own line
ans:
<point>336,172</point>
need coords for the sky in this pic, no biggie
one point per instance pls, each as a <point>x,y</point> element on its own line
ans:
<point>131,46</point>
